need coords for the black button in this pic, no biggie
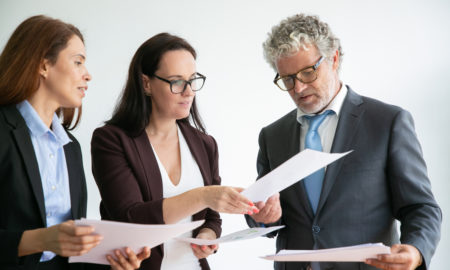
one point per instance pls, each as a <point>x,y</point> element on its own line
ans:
<point>315,229</point>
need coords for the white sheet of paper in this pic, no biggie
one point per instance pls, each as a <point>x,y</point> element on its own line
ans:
<point>117,235</point>
<point>239,235</point>
<point>291,171</point>
<point>358,253</point>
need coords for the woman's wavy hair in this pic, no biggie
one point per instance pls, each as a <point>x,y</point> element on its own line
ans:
<point>35,39</point>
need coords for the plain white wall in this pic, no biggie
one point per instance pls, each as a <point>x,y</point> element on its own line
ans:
<point>396,51</point>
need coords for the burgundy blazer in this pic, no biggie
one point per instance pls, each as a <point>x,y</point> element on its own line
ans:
<point>130,184</point>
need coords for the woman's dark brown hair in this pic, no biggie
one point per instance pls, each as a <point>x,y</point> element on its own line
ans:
<point>35,39</point>
<point>133,110</point>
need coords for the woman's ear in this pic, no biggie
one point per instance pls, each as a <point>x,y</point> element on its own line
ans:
<point>44,67</point>
<point>146,84</point>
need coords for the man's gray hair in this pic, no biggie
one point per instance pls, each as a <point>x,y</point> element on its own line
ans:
<point>297,32</point>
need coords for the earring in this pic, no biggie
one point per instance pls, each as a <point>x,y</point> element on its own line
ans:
<point>148,94</point>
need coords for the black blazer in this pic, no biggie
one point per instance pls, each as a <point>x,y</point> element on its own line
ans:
<point>22,204</point>
<point>130,184</point>
<point>384,179</point>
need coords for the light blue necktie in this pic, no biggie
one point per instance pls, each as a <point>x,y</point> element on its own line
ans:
<point>313,183</point>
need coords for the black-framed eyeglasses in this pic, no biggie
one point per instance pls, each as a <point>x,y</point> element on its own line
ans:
<point>179,86</point>
<point>306,75</point>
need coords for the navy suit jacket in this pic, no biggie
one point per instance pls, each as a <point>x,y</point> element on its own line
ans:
<point>383,180</point>
<point>22,204</point>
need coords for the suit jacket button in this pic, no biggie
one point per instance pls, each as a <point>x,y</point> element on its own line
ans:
<point>315,229</point>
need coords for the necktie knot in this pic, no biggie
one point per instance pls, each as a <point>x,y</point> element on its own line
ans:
<point>316,120</point>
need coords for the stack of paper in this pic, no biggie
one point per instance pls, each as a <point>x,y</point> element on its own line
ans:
<point>357,253</point>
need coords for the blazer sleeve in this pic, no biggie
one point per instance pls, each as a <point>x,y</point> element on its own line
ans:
<point>412,200</point>
<point>120,189</point>
<point>212,218</point>
<point>263,168</point>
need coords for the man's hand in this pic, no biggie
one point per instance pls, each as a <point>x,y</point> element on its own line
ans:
<point>270,211</point>
<point>402,257</point>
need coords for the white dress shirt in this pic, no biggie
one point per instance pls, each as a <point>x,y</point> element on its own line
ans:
<point>328,127</point>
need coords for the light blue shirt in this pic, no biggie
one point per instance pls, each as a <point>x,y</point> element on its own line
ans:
<point>48,146</point>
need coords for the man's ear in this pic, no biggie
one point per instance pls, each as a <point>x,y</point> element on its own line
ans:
<point>146,85</point>
<point>336,60</point>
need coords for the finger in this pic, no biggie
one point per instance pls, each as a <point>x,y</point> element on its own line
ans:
<point>260,205</point>
<point>197,254</point>
<point>144,254</point>
<point>266,210</point>
<point>393,258</point>
<point>121,259</point>
<point>196,250</point>
<point>202,253</point>
<point>85,239</point>
<point>382,265</point>
<point>206,249</point>
<point>396,248</point>
<point>132,259</point>
<point>239,197</point>
<point>114,264</point>
<point>71,229</point>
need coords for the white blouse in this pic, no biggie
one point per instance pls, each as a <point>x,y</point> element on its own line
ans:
<point>177,254</point>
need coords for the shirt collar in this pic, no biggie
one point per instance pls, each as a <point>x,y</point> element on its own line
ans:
<point>37,126</point>
<point>335,104</point>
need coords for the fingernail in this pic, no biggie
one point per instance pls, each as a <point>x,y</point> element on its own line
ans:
<point>249,212</point>
<point>251,204</point>
<point>255,211</point>
<point>203,247</point>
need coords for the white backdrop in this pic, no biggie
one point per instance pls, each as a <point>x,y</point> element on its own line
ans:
<point>394,51</point>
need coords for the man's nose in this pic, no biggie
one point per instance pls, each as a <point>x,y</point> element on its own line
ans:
<point>299,86</point>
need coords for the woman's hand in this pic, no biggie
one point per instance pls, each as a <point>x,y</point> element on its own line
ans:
<point>65,239</point>
<point>132,262</point>
<point>227,200</point>
<point>204,251</point>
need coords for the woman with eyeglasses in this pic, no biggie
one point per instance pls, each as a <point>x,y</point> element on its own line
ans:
<point>152,166</point>
<point>43,78</point>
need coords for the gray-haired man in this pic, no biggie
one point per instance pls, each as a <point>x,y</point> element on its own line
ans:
<point>357,199</point>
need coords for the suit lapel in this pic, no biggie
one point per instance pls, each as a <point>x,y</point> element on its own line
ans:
<point>74,180</point>
<point>291,143</point>
<point>347,126</point>
<point>26,149</point>
<point>150,165</point>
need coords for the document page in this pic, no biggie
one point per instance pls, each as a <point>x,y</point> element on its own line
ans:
<point>291,171</point>
<point>358,253</point>
<point>239,235</point>
<point>118,235</point>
